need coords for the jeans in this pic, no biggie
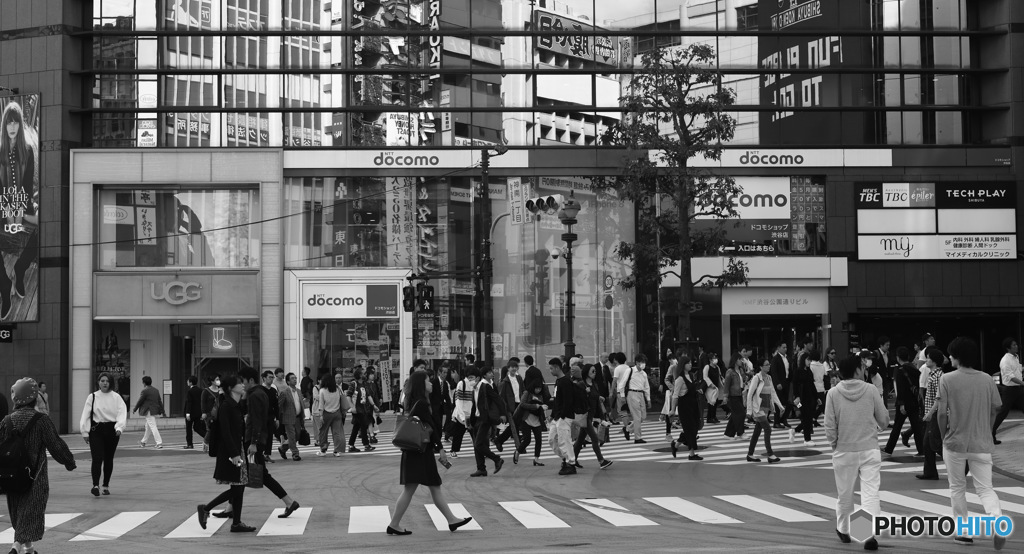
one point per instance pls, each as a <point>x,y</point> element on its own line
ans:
<point>761,423</point>
<point>736,416</point>
<point>981,473</point>
<point>637,411</point>
<point>482,445</point>
<point>867,465</point>
<point>318,422</point>
<point>332,422</point>
<point>595,443</point>
<point>151,430</point>
<point>102,446</point>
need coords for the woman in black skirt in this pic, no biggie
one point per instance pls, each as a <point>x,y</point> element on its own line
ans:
<point>420,468</point>
<point>684,395</point>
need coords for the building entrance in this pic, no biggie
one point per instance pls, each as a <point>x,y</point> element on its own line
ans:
<point>763,333</point>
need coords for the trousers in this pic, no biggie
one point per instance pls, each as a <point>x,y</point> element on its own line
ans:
<point>332,422</point>
<point>848,466</point>
<point>563,430</point>
<point>151,430</point>
<point>102,446</point>
<point>458,432</point>
<point>981,473</point>
<point>736,416</point>
<point>482,445</point>
<point>915,428</point>
<point>637,403</point>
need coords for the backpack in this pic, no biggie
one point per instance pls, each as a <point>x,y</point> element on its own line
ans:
<point>580,398</point>
<point>16,475</point>
<point>213,431</point>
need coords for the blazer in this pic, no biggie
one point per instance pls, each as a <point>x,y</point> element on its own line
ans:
<point>194,402</point>
<point>290,413</point>
<point>508,396</point>
<point>778,371</point>
<point>149,402</point>
<point>489,405</point>
<point>275,412</point>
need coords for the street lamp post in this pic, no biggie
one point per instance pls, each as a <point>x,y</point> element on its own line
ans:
<point>486,263</point>
<point>567,215</point>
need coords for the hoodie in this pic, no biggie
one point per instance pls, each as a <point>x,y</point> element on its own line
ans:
<point>854,413</point>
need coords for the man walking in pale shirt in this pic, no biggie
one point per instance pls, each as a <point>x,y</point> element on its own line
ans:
<point>1011,389</point>
<point>636,389</point>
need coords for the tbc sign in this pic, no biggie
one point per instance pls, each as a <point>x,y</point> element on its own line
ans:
<point>175,293</point>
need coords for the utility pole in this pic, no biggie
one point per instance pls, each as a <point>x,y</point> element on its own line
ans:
<point>485,257</point>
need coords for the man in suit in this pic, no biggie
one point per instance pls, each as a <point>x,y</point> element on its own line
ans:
<point>780,370</point>
<point>289,402</point>
<point>193,411</point>
<point>273,413</point>
<point>489,412</point>
<point>905,380</point>
<point>511,392</point>
<point>886,364</point>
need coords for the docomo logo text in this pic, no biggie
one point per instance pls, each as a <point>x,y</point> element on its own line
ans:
<point>390,159</point>
<point>324,300</point>
<point>175,293</point>
<point>760,200</point>
<point>755,158</point>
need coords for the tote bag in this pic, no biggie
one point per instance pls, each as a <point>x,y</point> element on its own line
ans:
<point>411,433</point>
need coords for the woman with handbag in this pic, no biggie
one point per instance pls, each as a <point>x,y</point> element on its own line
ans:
<point>761,397</point>
<point>363,410</point>
<point>589,385</point>
<point>685,393</point>
<point>232,469</point>
<point>330,409</point>
<point>419,467</point>
<point>103,420</point>
<point>666,408</point>
<point>532,407</point>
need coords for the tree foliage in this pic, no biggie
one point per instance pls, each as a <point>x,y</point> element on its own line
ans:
<point>674,111</point>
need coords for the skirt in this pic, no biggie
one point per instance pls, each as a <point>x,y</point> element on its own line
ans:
<point>419,468</point>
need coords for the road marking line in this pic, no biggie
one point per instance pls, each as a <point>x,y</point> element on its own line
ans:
<point>1016,491</point>
<point>532,515</point>
<point>612,512</point>
<point>116,526</point>
<point>691,511</point>
<point>458,510</point>
<point>975,499</point>
<point>769,509</point>
<point>915,469</point>
<point>915,504</point>
<point>50,521</point>
<point>190,529</point>
<point>294,524</point>
<point>825,501</point>
<point>368,519</point>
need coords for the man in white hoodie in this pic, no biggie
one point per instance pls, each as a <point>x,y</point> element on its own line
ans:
<point>854,413</point>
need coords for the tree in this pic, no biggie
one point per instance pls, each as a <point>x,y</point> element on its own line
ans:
<point>673,113</point>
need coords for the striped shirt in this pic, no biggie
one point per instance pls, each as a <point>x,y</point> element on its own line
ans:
<point>463,401</point>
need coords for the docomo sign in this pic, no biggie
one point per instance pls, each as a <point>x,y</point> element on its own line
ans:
<point>762,198</point>
<point>335,301</point>
<point>175,293</point>
<point>826,157</point>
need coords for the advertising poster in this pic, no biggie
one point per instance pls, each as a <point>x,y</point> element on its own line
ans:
<point>779,50</point>
<point>19,208</point>
<point>113,356</point>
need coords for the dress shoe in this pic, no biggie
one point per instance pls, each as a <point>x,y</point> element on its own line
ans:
<point>927,477</point>
<point>906,438</point>
<point>605,464</point>
<point>625,432</point>
<point>283,452</point>
<point>774,460</point>
<point>753,459</point>
<point>843,537</point>
<point>453,526</point>
<point>242,528</point>
<point>694,458</point>
<point>537,464</point>
<point>225,514</point>
<point>498,446</point>
<point>353,449</point>
<point>639,441</point>
<point>871,544</point>
<point>369,448</point>
<point>297,458</point>
<point>497,465</point>
<point>393,531</point>
<point>204,515</point>
<point>289,510</point>
<point>996,441</point>
<point>567,469</point>
<point>479,473</point>
<point>675,448</point>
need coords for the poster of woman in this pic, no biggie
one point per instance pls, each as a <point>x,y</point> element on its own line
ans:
<point>19,208</point>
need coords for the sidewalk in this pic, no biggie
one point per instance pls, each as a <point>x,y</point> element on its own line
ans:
<point>1008,458</point>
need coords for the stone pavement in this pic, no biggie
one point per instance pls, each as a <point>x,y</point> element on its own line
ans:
<point>1008,458</point>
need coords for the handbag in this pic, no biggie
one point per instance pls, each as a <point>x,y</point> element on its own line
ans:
<point>255,471</point>
<point>411,433</point>
<point>303,437</point>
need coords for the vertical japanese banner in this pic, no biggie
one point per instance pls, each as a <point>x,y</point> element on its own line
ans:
<point>400,230</point>
<point>19,208</point>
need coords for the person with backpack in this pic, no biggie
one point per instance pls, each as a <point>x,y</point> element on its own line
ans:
<point>587,397</point>
<point>104,417</point>
<point>25,436</point>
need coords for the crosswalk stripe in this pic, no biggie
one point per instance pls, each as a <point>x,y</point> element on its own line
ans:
<point>368,519</point>
<point>458,510</point>
<point>1016,491</point>
<point>115,526</point>
<point>915,504</point>
<point>295,524</point>
<point>49,522</point>
<point>190,529</point>
<point>975,499</point>
<point>769,509</point>
<point>612,512</point>
<point>691,511</point>
<point>827,462</point>
<point>532,515</point>
<point>914,469</point>
<point>825,501</point>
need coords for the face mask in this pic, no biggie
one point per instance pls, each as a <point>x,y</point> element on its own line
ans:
<point>641,365</point>
<point>870,362</point>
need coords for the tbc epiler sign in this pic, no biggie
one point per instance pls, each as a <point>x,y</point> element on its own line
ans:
<point>349,301</point>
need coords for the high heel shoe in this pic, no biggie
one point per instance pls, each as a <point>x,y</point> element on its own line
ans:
<point>453,526</point>
<point>393,531</point>
<point>537,464</point>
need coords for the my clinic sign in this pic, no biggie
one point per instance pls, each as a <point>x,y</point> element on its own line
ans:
<point>348,301</point>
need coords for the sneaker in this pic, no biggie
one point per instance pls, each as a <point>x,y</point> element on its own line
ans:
<point>142,444</point>
<point>567,469</point>
<point>694,458</point>
<point>337,454</point>
<point>283,452</point>
<point>605,464</point>
<point>320,453</point>
<point>352,449</point>
<point>843,537</point>
<point>159,446</point>
<point>871,544</point>
<point>625,432</point>
<point>188,447</point>
<point>998,542</point>
<point>792,435</point>
<point>774,460</point>
<point>369,448</point>
<point>498,446</point>
<point>639,441</point>
<point>453,454</point>
<point>966,541</point>
<point>808,443</point>
<point>297,458</point>
<point>242,528</point>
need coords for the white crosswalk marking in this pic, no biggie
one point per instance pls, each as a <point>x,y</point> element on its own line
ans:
<point>1016,491</point>
<point>458,510</point>
<point>295,524</point>
<point>769,509</point>
<point>532,515</point>
<point>824,501</point>
<point>368,519</point>
<point>190,529</point>
<point>915,504</point>
<point>115,526</point>
<point>1011,507</point>
<point>612,512</point>
<point>690,510</point>
<point>50,521</point>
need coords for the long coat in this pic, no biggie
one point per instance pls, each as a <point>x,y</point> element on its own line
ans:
<point>28,509</point>
<point>232,428</point>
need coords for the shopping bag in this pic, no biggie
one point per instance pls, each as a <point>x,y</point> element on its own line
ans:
<point>255,471</point>
<point>711,394</point>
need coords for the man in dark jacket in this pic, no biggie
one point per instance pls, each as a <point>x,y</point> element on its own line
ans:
<point>562,414</point>
<point>273,414</point>
<point>511,391</point>
<point>193,411</point>
<point>257,430</point>
<point>780,371</point>
<point>905,379</point>
<point>489,412</point>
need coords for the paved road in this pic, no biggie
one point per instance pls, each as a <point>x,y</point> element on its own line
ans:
<point>645,500</point>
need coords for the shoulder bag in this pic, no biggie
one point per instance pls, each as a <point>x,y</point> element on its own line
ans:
<point>411,433</point>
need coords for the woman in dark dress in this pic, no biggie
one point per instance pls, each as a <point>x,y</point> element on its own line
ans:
<point>685,394</point>
<point>231,468</point>
<point>420,468</point>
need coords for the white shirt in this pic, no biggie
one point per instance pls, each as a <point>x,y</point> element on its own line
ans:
<point>785,362</point>
<point>1009,367</point>
<point>109,407</point>
<point>476,395</point>
<point>637,382</point>
<point>619,376</point>
<point>515,387</point>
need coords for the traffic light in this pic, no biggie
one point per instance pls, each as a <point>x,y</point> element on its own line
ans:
<point>409,299</point>
<point>609,290</point>
<point>545,204</point>
<point>426,299</point>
